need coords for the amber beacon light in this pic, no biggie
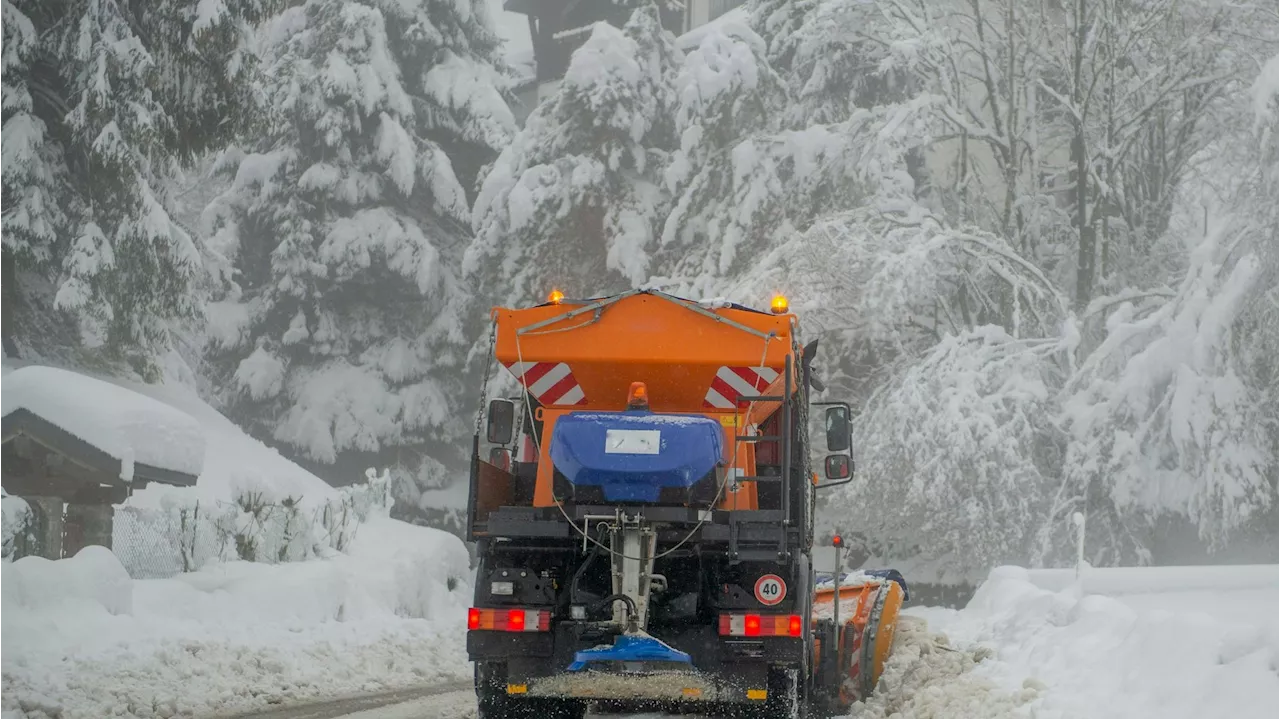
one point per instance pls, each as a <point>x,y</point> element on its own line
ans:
<point>555,297</point>
<point>638,396</point>
<point>779,304</point>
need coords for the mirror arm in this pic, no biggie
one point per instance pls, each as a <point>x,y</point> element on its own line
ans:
<point>834,483</point>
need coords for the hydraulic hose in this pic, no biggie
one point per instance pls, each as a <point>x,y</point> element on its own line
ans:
<point>632,611</point>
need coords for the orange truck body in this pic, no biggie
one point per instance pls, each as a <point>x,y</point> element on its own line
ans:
<point>682,356</point>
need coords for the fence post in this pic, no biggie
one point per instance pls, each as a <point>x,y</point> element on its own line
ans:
<point>1078,520</point>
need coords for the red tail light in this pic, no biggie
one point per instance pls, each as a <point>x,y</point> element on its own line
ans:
<point>509,620</point>
<point>761,625</point>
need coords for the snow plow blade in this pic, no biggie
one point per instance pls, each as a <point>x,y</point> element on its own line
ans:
<point>869,603</point>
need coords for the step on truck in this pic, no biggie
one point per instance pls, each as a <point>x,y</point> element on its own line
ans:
<point>642,504</point>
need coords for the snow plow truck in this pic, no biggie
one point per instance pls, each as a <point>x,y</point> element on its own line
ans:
<point>642,505</point>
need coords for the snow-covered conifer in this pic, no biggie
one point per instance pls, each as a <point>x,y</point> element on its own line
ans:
<point>344,328</point>
<point>576,201</point>
<point>31,216</point>
<point>100,97</point>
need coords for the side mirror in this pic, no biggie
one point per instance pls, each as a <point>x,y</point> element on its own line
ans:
<point>502,418</point>
<point>838,466</point>
<point>839,429</point>
<point>500,457</point>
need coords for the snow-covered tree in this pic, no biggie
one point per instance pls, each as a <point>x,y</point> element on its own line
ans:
<point>100,98</point>
<point>833,56</point>
<point>576,201</point>
<point>959,457</point>
<point>32,168</point>
<point>1163,416</point>
<point>345,326</point>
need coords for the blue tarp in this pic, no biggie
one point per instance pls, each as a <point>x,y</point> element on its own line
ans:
<point>632,456</point>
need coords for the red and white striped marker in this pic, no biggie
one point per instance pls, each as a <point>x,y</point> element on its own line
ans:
<point>551,383</point>
<point>732,382</point>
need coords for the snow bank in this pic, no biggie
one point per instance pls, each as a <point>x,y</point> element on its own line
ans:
<point>126,425</point>
<point>233,461</point>
<point>92,580</point>
<point>234,636</point>
<point>1065,654</point>
<point>1119,581</point>
<point>926,677</point>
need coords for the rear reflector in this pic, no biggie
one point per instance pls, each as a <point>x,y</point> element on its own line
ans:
<point>761,625</point>
<point>509,620</point>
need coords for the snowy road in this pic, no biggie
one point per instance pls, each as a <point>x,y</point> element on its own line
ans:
<point>1160,647</point>
<point>924,654</point>
<point>1150,643</point>
<point>446,701</point>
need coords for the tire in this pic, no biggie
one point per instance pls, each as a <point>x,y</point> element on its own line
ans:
<point>493,702</point>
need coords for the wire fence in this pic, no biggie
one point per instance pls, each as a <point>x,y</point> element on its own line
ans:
<point>157,543</point>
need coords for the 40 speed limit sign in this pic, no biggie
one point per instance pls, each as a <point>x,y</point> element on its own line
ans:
<point>770,589</point>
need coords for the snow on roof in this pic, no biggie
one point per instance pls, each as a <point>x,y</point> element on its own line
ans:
<point>128,426</point>
<point>232,460</point>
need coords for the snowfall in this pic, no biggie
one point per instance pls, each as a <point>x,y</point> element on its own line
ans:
<point>81,639</point>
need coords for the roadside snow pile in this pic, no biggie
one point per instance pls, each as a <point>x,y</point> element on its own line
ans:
<point>1061,654</point>
<point>126,425</point>
<point>927,677</point>
<point>82,640</point>
<point>93,580</point>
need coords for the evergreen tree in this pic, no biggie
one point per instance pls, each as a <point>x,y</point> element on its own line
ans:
<point>576,201</point>
<point>344,328</point>
<point>101,97</point>
<point>33,172</point>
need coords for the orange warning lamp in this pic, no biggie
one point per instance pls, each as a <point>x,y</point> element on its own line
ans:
<point>836,541</point>
<point>555,297</point>
<point>638,396</point>
<point>779,305</point>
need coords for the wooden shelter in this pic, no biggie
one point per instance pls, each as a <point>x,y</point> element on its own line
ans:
<point>69,481</point>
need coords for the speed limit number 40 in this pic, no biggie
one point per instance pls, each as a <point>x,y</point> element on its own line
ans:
<point>770,589</point>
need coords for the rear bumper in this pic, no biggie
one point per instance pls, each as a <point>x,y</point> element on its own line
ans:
<point>725,670</point>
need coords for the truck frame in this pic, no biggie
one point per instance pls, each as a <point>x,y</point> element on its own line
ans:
<point>643,517</point>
